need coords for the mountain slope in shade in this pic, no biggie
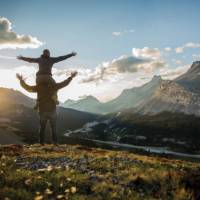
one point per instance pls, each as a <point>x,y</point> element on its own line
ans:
<point>11,96</point>
<point>20,120</point>
<point>8,137</point>
<point>24,121</point>
<point>191,79</point>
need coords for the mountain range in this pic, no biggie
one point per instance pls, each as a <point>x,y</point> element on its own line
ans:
<point>129,98</point>
<point>179,95</point>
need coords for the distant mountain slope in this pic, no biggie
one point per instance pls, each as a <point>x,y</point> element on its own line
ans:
<point>87,104</point>
<point>11,96</point>
<point>129,98</point>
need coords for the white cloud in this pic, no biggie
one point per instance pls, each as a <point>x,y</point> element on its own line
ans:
<point>187,45</point>
<point>169,73</point>
<point>152,66</point>
<point>10,39</point>
<point>146,52</point>
<point>146,60</point>
<point>7,57</point>
<point>168,49</point>
<point>109,70</point>
<point>116,34</point>
<point>130,31</point>
<point>178,62</point>
<point>120,33</point>
<point>192,45</point>
<point>179,49</point>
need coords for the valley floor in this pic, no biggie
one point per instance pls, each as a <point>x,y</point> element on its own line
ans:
<point>77,172</point>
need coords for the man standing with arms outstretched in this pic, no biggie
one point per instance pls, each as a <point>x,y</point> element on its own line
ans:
<point>46,105</point>
<point>46,62</point>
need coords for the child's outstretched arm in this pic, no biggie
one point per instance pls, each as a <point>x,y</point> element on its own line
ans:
<point>61,58</point>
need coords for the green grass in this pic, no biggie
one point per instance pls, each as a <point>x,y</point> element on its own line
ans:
<point>76,172</point>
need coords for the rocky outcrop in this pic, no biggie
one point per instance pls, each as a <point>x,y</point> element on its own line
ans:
<point>191,79</point>
<point>173,97</point>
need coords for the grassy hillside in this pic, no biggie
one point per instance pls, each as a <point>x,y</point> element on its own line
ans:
<point>76,172</point>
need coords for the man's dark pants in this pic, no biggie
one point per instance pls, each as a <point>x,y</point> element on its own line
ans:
<point>44,118</point>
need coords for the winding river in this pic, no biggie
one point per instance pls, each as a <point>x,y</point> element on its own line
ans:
<point>150,149</point>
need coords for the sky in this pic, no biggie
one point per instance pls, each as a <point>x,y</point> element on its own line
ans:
<point>120,44</point>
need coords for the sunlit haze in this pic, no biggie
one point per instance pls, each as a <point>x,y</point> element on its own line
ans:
<point>120,44</point>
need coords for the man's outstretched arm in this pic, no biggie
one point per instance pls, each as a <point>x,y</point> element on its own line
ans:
<point>66,82</point>
<point>31,60</point>
<point>25,85</point>
<point>61,58</point>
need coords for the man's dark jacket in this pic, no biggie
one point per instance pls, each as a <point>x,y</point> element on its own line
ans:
<point>45,92</point>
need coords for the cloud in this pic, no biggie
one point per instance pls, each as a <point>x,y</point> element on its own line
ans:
<point>178,62</point>
<point>179,49</point>
<point>146,52</point>
<point>192,45</point>
<point>8,57</point>
<point>116,34</point>
<point>129,31</point>
<point>187,45</point>
<point>145,60</point>
<point>106,71</point>
<point>171,74</point>
<point>120,33</point>
<point>10,39</point>
<point>125,64</point>
<point>168,49</point>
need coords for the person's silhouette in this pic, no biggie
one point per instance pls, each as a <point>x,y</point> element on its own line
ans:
<point>45,62</point>
<point>46,105</point>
